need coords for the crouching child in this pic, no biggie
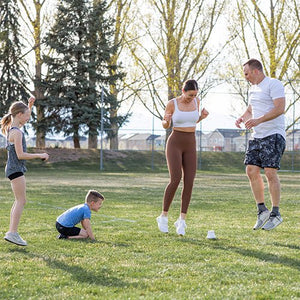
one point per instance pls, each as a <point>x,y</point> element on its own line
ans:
<point>65,223</point>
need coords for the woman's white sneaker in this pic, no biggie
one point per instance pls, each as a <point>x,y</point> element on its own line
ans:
<point>162,223</point>
<point>180,226</point>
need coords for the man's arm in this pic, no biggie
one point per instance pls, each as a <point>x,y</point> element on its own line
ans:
<point>244,117</point>
<point>279,107</point>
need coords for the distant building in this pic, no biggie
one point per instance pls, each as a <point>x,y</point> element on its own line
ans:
<point>152,142</point>
<point>227,140</point>
<point>293,140</point>
<point>230,140</point>
<point>201,141</point>
<point>124,141</point>
<point>139,142</point>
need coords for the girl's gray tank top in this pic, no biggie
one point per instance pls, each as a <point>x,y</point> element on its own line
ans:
<point>14,164</point>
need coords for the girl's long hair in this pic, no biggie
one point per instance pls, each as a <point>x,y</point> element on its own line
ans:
<point>14,109</point>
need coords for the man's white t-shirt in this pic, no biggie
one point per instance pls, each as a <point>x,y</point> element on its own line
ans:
<point>261,98</point>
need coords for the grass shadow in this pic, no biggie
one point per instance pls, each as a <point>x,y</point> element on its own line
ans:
<point>295,247</point>
<point>224,245</point>
<point>89,241</point>
<point>103,277</point>
<point>272,258</point>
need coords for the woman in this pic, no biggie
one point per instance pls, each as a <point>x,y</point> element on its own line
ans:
<point>18,115</point>
<point>181,156</point>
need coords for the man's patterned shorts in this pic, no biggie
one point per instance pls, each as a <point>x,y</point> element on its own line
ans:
<point>265,152</point>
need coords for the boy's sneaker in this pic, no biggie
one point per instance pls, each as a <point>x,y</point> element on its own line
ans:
<point>180,226</point>
<point>14,238</point>
<point>62,236</point>
<point>273,222</point>
<point>262,217</point>
<point>162,223</point>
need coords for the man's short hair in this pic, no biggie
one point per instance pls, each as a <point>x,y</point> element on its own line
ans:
<point>254,64</point>
<point>93,196</point>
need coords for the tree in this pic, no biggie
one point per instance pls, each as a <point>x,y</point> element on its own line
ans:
<point>78,68</point>
<point>13,79</point>
<point>174,48</point>
<point>33,20</point>
<point>120,11</point>
<point>268,31</point>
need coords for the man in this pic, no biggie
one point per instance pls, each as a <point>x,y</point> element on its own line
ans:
<point>265,115</point>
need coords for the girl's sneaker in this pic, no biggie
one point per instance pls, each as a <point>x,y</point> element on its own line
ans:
<point>14,238</point>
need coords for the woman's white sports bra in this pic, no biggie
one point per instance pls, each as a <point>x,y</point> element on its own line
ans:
<point>185,118</point>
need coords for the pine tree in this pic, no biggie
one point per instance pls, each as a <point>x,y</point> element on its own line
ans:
<point>13,80</point>
<point>78,68</point>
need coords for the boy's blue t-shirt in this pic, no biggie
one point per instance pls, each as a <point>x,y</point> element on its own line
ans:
<point>74,215</point>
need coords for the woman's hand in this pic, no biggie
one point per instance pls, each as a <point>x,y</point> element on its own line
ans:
<point>204,114</point>
<point>168,117</point>
<point>166,122</point>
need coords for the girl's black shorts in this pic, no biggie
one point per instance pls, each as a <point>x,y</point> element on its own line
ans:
<point>15,175</point>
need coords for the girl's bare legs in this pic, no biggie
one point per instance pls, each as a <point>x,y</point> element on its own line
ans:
<point>18,186</point>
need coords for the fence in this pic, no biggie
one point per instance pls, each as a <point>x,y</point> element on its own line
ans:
<point>220,139</point>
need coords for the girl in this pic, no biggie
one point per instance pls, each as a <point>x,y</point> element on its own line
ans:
<point>183,111</point>
<point>18,115</point>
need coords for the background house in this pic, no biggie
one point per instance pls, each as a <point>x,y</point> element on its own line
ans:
<point>139,142</point>
<point>123,140</point>
<point>226,140</point>
<point>201,141</point>
<point>230,140</point>
<point>160,142</point>
<point>152,142</point>
<point>293,140</point>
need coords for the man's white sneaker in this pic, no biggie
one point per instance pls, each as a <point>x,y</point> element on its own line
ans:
<point>162,223</point>
<point>273,222</point>
<point>262,217</point>
<point>14,238</point>
<point>180,226</point>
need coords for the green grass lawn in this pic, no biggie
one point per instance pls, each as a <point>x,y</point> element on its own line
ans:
<point>131,259</point>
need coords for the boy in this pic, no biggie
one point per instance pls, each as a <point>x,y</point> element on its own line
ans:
<point>65,223</point>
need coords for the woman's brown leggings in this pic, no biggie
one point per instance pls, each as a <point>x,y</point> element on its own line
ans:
<point>182,160</point>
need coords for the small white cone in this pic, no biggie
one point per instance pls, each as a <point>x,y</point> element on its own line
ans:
<point>211,235</point>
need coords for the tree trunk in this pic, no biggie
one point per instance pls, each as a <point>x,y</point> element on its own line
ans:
<point>114,140</point>
<point>92,142</point>
<point>39,94</point>
<point>40,132</point>
<point>76,141</point>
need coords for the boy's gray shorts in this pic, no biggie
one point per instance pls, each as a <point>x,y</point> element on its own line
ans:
<point>265,152</point>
